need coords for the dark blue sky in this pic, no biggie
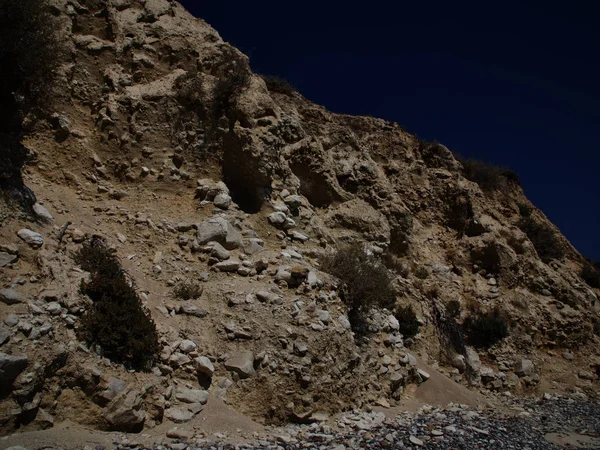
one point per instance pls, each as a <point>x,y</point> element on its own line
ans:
<point>512,83</point>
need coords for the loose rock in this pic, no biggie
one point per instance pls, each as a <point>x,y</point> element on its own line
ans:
<point>179,415</point>
<point>242,363</point>
<point>10,296</point>
<point>32,238</point>
<point>524,367</point>
<point>204,365</point>
<point>191,396</point>
<point>11,366</point>
<point>125,412</point>
<point>7,258</point>
<point>42,213</point>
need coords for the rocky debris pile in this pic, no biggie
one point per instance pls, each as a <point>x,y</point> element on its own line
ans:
<point>531,424</point>
<point>216,192</point>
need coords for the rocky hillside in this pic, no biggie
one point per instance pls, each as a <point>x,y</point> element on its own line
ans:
<point>162,142</point>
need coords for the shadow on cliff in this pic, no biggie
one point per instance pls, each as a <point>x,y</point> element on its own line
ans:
<point>13,156</point>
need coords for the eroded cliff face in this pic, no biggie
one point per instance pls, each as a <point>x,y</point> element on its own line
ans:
<point>150,101</point>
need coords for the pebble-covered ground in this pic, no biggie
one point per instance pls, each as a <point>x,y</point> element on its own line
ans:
<point>453,427</point>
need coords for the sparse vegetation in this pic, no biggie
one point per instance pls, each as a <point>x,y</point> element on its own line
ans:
<point>543,238</point>
<point>187,291</point>
<point>471,303</point>
<point>366,283</point>
<point>453,308</point>
<point>489,177</point>
<point>591,273</point>
<point>421,272</point>
<point>237,75</point>
<point>483,330</point>
<point>279,85</point>
<point>524,209</point>
<point>409,324</point>
<point>432,292</point>
<point>396,264</point>
<point>190,92</point>
<point>116,320</point>
<point>450,334</point>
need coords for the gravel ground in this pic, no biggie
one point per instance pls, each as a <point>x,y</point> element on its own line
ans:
<point>453,427</point>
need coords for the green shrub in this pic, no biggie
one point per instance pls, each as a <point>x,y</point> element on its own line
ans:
<point>489,177</point>
<point>278,85</point>
<point>543,238</point>
<point>187,291</point>
<point>409,324</point>
<point>591,274</point>
<point>116,320</point>
<point>30,53</point>
<point>366,283</point>
<point>485,329</point>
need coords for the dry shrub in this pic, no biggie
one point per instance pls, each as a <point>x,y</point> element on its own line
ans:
<point>450,334</point>
<point>366,283</point>
<point>187,291</point>
<point>419,285</point>
<point>409,324</point>
<point>459,211</point>
<point>432,292</point>
<point>116,320</point>
<point>236,77</point>
<point>190,92</point>
<point>489,177</point>
<point>524,209</point>
<point>543,238</point>
<point>471,303</point>
<point>396,264</point>
<point>279,85</point>
<point>483,330</point>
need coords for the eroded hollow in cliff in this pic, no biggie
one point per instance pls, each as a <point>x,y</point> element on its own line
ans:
<point>313,185</point>
<point>243,175</point>
<point>487,258</point>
